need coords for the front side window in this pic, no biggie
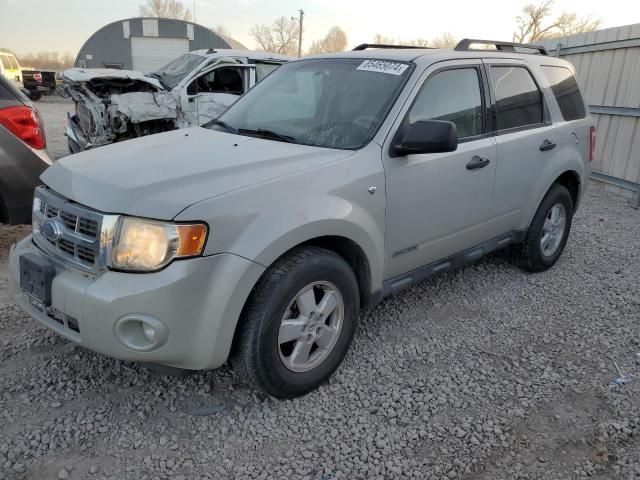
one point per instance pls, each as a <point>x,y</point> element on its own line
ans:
<point>452,95</point>
<point>565,89</point>
<point>221,80</point>
<point>518,99</point>
<point>331,103</point>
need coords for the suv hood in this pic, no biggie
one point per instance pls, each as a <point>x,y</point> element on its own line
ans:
<point>160,175</point>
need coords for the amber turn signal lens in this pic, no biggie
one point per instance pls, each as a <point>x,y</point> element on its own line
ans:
<point>192,238</point>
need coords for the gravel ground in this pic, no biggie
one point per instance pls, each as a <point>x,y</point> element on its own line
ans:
<point>53,110</point>
<point>488,373</point>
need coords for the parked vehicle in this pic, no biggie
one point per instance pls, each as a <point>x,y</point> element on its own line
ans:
<point>38,82</point>
<point>22,154</point>
<point>337,181</point>
<point>114,105</point>
<point>10,68</point>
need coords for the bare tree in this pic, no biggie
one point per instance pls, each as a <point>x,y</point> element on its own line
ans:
<point>47,60</point>
<point>334,41</point>
<point>446,40</point>
<point>280,37</point>
<point>221,30</point>
<point>165,9</point>
<point>535,24</point>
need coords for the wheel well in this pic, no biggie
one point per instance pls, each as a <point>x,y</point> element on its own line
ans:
<point>571,181</point>
<point>351,252</point>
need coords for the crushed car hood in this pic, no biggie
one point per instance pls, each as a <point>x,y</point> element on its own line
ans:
<point>89,74</point>
<point>160,175</point>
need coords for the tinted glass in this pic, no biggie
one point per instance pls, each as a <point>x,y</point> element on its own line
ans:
<point>331,103</point>
<point>518,99</point>
<point>452,95</point>
<point>565,88</point>
<point>5,62</point>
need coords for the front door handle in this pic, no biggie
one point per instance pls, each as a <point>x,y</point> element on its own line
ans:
<point>547,145</point>
<point>477,162</point>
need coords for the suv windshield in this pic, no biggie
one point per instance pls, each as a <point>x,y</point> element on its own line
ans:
<point>171,74</point>
<point>331,103</point>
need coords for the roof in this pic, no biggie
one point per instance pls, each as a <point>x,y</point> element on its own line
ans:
<point>434,55</point>
<point>228,52</point>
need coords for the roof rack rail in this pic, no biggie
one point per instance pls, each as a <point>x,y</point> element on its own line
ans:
<point>465,44</point>
<point>364,46</point>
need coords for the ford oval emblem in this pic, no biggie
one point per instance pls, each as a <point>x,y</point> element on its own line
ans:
<point>52,230</point>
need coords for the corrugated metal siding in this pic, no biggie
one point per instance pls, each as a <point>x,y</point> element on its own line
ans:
<point>610,77</point>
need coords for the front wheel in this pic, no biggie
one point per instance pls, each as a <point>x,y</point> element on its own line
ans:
<point>298,324</point>
<point>549,230</point>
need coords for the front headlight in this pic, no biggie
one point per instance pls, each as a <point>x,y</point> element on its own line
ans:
<point>145,245</point>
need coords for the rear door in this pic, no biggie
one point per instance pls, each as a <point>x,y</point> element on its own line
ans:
<point>525,139</point>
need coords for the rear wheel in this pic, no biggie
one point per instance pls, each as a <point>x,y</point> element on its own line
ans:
<point>549,230</point>
<point>298,324</point>
<point>35,96</point>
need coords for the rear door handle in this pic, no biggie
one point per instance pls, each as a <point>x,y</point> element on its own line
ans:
<point>547,145</point>
<point>477,162</point>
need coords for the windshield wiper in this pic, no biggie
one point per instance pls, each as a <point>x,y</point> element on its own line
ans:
<point>222,124</point>
<point>269,134</point>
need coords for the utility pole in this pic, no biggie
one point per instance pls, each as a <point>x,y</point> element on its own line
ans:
<point>300,34</point>
<point>194,12</point>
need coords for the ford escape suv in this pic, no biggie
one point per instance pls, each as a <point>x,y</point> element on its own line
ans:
<point>337,181</point>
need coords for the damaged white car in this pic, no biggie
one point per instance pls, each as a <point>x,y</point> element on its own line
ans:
<point>195,88</point>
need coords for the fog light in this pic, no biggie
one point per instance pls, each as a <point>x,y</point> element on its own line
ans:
<point>148,332</point>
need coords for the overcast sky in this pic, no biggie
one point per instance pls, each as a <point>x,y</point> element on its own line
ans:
<point>64,25</point>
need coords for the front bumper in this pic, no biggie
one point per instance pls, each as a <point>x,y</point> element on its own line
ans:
<point>193,304</point>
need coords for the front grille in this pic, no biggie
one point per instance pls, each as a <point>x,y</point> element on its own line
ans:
<point>77,230</point>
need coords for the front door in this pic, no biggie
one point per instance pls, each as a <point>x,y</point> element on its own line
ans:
<point>439,204</point>
<point>211,93</point>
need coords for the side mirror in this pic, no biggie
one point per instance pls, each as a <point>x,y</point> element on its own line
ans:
<point>426,136</point>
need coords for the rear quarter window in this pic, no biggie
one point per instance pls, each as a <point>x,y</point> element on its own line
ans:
<point>565,88</point>
<point>5,62</point>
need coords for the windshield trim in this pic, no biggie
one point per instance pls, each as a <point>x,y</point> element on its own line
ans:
<point>393,99</point>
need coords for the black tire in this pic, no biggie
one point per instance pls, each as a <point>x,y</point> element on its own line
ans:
<point>533,256</point>
<point>257,354</point>
<point>35,96</point>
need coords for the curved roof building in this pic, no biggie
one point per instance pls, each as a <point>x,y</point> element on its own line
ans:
<point>146,44</point>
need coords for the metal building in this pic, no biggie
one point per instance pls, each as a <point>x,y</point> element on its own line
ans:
<point>146,44</point>
<point>607,63</point>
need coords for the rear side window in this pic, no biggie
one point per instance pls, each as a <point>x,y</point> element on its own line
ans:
<point>452,95</point>
<point>565,88</point>
<point>5,62</point>
<point>518,98</point>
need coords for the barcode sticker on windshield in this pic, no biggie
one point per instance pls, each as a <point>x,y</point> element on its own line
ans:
<point>382,66</point>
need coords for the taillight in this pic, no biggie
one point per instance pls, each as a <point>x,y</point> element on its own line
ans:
<point>25,124</point>
<point>37,77</point>
<point>592,143</point>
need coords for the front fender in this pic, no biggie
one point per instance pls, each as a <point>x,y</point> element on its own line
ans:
<point>262,222</point>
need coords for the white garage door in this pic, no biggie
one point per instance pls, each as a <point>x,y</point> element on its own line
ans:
<point>149,53</point>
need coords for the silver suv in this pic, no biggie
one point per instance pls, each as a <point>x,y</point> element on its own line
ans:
<point>337,181</point>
